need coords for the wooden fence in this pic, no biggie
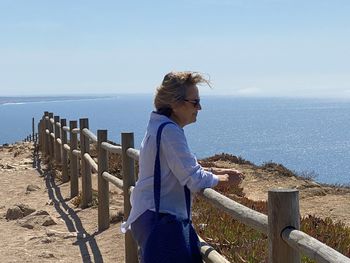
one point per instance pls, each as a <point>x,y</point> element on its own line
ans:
<point>33,137</point>
<point>286,242</point>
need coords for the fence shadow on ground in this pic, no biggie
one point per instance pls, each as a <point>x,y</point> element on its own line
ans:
<point>70,217</point>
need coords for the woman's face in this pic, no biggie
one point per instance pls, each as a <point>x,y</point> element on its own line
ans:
<point>185,112</point>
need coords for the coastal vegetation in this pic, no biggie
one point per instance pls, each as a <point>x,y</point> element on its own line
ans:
<point>240,243</point>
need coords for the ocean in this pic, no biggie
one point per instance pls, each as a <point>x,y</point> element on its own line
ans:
<point>309,136</point>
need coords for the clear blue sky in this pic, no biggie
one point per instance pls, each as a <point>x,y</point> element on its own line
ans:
<point>248,47</point>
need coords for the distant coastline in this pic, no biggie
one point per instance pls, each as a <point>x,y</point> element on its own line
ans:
<point>20,100</point>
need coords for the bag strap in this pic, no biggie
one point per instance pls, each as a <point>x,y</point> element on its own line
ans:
<point>157,176</point>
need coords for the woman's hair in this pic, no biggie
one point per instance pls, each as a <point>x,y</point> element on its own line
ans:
<point>174,88</point>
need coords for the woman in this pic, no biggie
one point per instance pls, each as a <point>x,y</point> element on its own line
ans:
<point>177,104</point>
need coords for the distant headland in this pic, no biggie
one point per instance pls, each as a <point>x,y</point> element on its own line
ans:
<point>26,99</point>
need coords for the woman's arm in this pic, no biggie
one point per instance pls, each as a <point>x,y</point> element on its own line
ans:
<point>182,162</point>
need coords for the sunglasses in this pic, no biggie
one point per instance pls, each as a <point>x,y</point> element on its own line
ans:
<point>195,102</point>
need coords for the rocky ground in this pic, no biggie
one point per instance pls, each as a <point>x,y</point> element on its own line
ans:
<point>40,223</point>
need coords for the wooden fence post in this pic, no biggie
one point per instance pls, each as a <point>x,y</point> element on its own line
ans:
<point>57,135</point>
<point>128,180</point>
<point>33,129</point>
<point>103,185</point>
<point>39,137</point>
<point>65,177</point>
<point>85,167</point>
<point>283,211</point>
<point>38,134</point>
<point>51,140</point>
<point>74,161</point>
<point>45,137</point>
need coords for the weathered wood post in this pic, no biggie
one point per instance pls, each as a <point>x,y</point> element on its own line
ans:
<point>33,129</point>
<point>46,138</point>
<point>57,132</point>
<point>38,134</point>
<point>283,211</point>
<point>51,139</point>
<point>39,137</point>
<point>103,185</point>
<point>128,180</point>
<point>65,177</point>
<point>85,167</point>
<point>74,160</point>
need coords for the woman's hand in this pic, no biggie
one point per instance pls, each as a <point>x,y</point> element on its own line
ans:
<point>228,177</point>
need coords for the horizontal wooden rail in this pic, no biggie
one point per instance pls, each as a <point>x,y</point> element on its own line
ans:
<point>90,134</point>
<point>77,153</point>
<point>66,128</point>
<point>239,212</point>
<point>75,130</point>
<point>312,247</point>
<point>111,148</point>
<point>91,162</point>
<point>209,254</point>
<point>66,147</point>
<point>112,179</point>
<point>133,153</point>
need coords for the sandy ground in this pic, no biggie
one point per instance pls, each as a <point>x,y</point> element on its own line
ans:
<point>71,234</point>
<point>74,237</point>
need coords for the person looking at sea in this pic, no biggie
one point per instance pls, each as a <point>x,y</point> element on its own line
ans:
<point>169,173</point>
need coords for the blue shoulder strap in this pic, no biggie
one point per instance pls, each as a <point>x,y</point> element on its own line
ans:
<point>157,175</point>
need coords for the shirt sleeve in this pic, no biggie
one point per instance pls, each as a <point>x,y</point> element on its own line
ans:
<point>182,162</point>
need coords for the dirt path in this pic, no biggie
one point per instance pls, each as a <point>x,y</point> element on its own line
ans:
<point>71,233</point>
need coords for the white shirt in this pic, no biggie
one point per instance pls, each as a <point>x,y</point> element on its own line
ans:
<point>179,167</point>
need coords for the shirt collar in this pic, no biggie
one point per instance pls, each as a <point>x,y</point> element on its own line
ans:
<point>159,118</point>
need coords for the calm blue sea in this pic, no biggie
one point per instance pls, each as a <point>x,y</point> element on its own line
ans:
<point>305,135</point>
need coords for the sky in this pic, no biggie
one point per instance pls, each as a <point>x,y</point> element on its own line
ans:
<point>259,48</point>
